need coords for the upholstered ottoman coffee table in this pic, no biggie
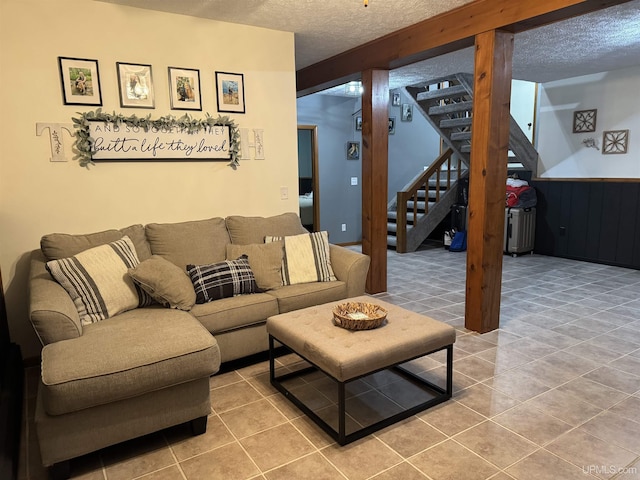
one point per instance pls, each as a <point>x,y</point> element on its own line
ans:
<point>347,356</point>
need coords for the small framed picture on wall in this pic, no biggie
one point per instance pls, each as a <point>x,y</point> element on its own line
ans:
<point>184,89</point>
<point>230,92</point>
<point>80,80</point>
<point>136,85</point>
<point>353,150</point>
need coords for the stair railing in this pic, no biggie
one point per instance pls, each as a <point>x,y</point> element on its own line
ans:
<point>422,183</point>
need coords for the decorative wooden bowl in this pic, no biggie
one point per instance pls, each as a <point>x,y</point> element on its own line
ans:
<point>359,315</point>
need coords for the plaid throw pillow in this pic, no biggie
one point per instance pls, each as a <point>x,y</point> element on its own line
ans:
<point>222,280</point>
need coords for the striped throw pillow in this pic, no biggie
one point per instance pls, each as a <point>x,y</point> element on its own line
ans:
<point>306,258</point>
<point>98,282</point>
<point>222,280</point>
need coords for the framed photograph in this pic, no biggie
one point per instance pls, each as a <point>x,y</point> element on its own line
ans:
<point>615,141</point>
<point>584,121</point>
<point>407,112</point>
<point>184,89</point>
<point>392,125</point>
<point>358,123</point>
<point>395,101</point>
<point>230,92</point>
<point>136,85</point>
<point>80,80</point>
<point>353,150</point>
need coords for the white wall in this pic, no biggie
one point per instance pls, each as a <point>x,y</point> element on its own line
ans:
<point>39,197</point>
<point>616,97</point>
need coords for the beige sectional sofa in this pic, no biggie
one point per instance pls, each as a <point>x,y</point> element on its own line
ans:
<point>147,368</point>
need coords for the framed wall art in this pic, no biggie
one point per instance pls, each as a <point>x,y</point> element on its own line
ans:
<point>615,141</point>
<point>230,92</point>
<point>395,100</point>
<point>392,125</point>
<point>135,83</point>
<point>584,121</point>
<point>358,123</point>
<point>407,112</point>
<point>184,89</point>
<point>353,150</point>
<point>80,80</point>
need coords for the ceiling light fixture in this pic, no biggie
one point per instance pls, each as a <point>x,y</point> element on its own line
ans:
<point>366,3</point>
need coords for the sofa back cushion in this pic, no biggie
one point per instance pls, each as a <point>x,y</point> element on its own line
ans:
<point>198,242</point>
<point>250,230</point>
<point>62,245</point>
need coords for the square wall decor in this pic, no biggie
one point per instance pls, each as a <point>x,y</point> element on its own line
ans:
<point>584,121</point>
<point>615,141</point>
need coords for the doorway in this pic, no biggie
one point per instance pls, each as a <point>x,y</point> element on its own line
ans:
<point>308,178</point>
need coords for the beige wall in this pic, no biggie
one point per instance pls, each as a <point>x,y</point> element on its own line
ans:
<point>39,197</point>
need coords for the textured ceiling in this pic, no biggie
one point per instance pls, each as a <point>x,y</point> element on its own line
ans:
<point>605,40</point>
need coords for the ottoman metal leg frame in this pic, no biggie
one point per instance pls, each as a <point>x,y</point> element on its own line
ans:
<point>340,435</point>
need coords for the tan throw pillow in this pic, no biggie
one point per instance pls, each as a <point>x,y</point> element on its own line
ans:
<point>306,258</point>
<point>265,260</point>
<point>168,284</point>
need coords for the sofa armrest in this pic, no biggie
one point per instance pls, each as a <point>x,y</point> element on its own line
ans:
<point>350,267</point>
<point>51,310</point>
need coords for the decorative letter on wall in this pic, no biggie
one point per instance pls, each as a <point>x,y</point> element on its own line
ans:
<point>55,136</point>
<point>258,143</point>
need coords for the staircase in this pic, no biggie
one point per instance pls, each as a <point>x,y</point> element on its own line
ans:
<point>428,198</point>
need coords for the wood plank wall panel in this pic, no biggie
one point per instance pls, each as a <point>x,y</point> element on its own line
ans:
<point>596,221</point>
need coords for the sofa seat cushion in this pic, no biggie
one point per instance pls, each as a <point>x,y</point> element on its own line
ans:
<point>125,356</point>
<point>197,242</point>
<point>235,312</point>
<point>295,297</point>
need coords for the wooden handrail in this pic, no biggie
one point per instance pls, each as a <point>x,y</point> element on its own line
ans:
<point>411,193</point>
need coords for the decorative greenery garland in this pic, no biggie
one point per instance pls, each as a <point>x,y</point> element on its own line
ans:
<point>83,147</point>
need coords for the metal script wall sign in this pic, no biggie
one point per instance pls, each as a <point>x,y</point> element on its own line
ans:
<point>124,142</point>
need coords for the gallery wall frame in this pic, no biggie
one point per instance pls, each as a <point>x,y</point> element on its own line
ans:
<point>406,113</point>
<point>135,84</point>
<point>184,89</point>
<point>230,92</point>
<point>80,81</point>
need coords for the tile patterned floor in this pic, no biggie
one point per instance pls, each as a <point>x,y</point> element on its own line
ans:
<point>553,394</point>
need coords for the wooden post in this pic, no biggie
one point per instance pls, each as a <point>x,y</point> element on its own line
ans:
<point>487,179</point>
<point>375,143</point>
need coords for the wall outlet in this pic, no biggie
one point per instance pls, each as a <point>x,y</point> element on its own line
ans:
<point>354,180</point>
<point>344,227</point>
<point>284,193</point>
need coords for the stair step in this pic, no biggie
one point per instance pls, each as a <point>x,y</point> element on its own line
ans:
<point>456,122</point>
<point>465,148</point>
<point>441,93</point>
<point>391,241</point>
<point>451,108</point>
<point>393,216</point>
<point>392,227</point>
<point>457,136</point>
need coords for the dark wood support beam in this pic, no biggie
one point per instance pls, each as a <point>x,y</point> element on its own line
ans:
<point>375,145</point>
<point>444,33</point>
<point>487,179</point>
